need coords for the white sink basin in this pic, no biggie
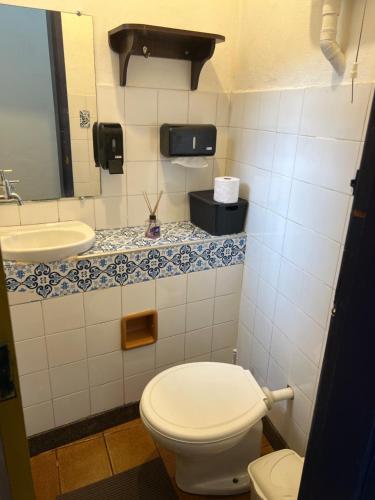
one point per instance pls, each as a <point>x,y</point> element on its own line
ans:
<point>45,242</point>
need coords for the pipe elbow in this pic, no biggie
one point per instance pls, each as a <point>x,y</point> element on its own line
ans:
<point>333,53</point>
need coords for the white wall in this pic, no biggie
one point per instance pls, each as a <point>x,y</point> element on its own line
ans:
<point>295,151</point>
<point>69,348</point>
<point>157,92</point>
<point>278,45</point>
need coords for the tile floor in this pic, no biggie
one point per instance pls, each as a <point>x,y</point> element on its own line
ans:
<point>101,455</point>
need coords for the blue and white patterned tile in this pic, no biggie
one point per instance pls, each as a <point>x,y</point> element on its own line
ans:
<point>91,272</point>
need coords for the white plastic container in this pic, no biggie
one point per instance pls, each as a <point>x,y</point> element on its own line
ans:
<point>276,476</point>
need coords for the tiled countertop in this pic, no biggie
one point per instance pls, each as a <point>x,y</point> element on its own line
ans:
<point>124,256</point>
<point>132,238</point>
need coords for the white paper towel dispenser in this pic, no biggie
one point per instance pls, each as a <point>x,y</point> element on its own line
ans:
<point>187,140</point>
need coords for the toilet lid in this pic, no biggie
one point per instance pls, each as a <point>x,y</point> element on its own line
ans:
<point>202,402</point>
<point>277,476</point>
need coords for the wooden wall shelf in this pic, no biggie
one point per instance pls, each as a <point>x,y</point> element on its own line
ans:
<point>139,329</point>
<point>157,41</point>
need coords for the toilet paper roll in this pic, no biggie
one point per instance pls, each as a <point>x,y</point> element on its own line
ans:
<point>226,189</point>
<point>190,161</point>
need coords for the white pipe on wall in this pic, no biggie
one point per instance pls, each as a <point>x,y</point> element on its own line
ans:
<point>328,43</point>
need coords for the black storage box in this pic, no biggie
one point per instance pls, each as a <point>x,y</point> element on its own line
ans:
<point>217,218</point>
<point>187,140</point>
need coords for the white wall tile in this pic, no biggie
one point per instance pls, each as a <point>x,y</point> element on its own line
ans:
<point>222,112</point>
<point>134,386</point>
<point>199,179</point>
<point>236,116</point>
<point>31,355</point>
<point>259,359</point>
<point>172,106</point>
<point>142,176</point>
<point>75,209</point>
<point>113,185</point>
<point>226,308</point>
<point>107,396</point>
<point>171,291</point>
<point>9,215</point>
<point>39,418</point>
<point>303,373</point>
<point>222,356</point>
<point>262,329</point>
<point>291,102</point>
<point>67,379</point>
<point>102,305</point>
<point>278,195</point>
<point>281,349</point>
<point>229,279</point>
<point>35,388</point>
<point>310,251</point>
<point>105,368</point>
<point>142,143</point>
<point>269,109</point>
<point>266,298</point>
<point>251,109</point>
<point>301,410</point>
<point>63,313</point>
<point>39,212</point>
<point>27,321</point>
<point>110,212</point>
<point>243,346</point>
<point>320,209</point>
<point>199,314</point>
<point>66,347</point>
<point>202,107</point>
<point>264,152</point>
<point>329,112</point>
<point>139,360</point>
<point>221,142</point>
<point>171,178</point>
<point>201,285</point>
<point>138,297</point>
<point>327,162</point>
<point>138,212</point>
<point>270,266</point>
<point>140,106</point>
<point>172,207</point>
<point>285,153</point>
<point>224,335</point>
<point>274,231</point>
<point>198,342</point>
<point>247,313</point>
<point>170,350</point>
<point>171,321</point>
<point>110,103</point>
<point>70,408</point>
<point>103,338</point>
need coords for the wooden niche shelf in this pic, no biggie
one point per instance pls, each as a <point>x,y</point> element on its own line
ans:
<point>139,329</point>
<point>157,41</point>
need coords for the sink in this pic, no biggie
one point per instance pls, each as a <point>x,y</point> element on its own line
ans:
<point>45,242</point>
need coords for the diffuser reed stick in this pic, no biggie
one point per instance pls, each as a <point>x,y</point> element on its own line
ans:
<point>152,225</point>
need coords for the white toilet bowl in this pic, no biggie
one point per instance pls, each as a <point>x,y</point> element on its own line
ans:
<point>209,414</point>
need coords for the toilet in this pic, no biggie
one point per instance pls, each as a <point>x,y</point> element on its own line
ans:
<point>209,414</point>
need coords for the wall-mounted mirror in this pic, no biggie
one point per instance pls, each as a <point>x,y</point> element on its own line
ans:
<point>47,102</point>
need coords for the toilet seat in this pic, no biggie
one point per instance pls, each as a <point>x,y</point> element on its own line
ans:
<point>202,402</point>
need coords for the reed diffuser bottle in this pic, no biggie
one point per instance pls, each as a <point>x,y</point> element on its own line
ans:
<point>152,224</point>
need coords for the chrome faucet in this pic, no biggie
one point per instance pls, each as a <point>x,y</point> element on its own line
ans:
<point>10,194</point>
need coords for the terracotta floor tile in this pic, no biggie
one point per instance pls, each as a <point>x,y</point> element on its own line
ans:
<point>130,447</point>
<point>83,463</point>
<point>45,475</point>
<point>82,440</point>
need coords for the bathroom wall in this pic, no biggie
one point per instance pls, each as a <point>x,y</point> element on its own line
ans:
<point>278,45</point>
<point>69,348</point>
<point>295,147</point>
<point>157,91</point>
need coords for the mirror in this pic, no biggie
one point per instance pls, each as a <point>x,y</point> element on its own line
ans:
<point>47,103</point>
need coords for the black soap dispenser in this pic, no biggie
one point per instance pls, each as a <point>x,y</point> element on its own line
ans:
<point>108,147</point>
